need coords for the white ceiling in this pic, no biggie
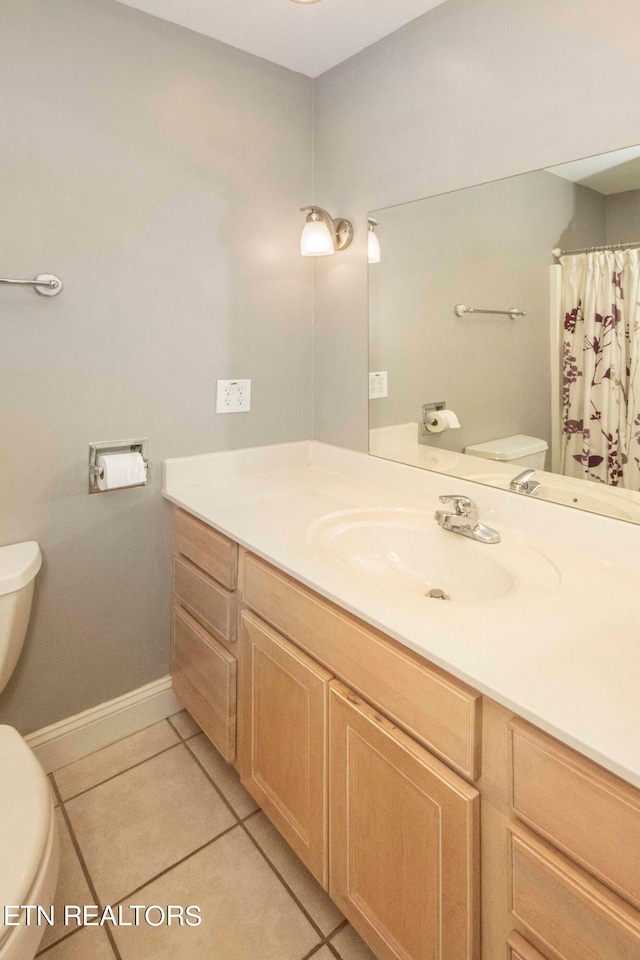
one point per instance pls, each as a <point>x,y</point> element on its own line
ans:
<point>309,38</point>
<point>607,173</point>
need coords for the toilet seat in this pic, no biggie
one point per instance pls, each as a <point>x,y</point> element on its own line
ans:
<point>26,823</point>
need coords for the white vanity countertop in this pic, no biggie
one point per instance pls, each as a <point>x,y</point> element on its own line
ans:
<point>567,658</point>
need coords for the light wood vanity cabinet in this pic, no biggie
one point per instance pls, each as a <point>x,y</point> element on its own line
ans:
<point>326,764</point>
<point>443,827</point>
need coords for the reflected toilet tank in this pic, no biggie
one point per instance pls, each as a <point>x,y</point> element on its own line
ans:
<point>519,450</point>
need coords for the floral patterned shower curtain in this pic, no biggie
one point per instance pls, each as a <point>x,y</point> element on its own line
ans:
<point>601,367</point>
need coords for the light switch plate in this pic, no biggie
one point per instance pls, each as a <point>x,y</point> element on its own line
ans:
<point>378,385</point>
<point>233,396</point>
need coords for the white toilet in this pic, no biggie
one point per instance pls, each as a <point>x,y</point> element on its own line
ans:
<point>29,856</point>
<point>518,450</point>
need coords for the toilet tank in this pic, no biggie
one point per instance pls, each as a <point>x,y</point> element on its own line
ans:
<point>517,450</point>
<point>19,564</point>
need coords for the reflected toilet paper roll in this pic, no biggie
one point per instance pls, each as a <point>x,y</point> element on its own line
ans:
<point>441,420</point>
<point>117,470</point>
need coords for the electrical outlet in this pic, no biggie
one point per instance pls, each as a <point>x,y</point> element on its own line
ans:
<point>378,385</point>
<point>233,396</point>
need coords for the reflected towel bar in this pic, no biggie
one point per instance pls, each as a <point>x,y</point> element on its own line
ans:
<point>461,311</point>
<point>51,284</point>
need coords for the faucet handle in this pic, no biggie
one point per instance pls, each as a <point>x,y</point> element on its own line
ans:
<point>524,484</point>
<point>463,506</point>
<point>524,476</point>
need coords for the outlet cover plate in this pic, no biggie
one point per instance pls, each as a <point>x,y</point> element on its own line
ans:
<point>378,385</point>
<point>233,396</point>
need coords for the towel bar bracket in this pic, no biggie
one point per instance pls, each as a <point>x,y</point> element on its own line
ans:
<point>46,284</point>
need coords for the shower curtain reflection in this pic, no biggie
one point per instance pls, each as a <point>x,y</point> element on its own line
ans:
<point>600,361</point>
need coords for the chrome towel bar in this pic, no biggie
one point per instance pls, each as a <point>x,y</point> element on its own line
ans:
<point>46,284</point>
<point>460,311</point>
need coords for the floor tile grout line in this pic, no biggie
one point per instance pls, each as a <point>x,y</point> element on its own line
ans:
<point>178,863</point>
<point>56,943</point>
<point>120,772</point>
<point>211,780</point>
<point>326,942</point>
<point>314,950</point>
<point>119,740</point>
<point>284,883</point>
<point>333,949</point>
<point>343,923</point>
<point>175,729</point>
<point>85,870</point>
<point>240,821</point>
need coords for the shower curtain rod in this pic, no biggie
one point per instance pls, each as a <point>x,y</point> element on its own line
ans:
<point>557,252</point>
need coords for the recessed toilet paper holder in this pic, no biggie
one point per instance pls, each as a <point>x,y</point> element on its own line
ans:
<point>115,446</point>
<point>427,419</point>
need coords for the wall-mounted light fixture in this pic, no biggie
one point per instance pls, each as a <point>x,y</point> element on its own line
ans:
<point>373,244</point>
<point>305,1</point>
<point>322,235</point>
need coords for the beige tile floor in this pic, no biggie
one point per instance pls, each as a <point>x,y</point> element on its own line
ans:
<point>160,818</point>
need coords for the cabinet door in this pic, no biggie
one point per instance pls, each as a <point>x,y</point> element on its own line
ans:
<point>284,752</point>
<point>404,839</point>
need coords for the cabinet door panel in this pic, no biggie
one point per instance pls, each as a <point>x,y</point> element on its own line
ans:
<point>404,848</point>
<point>285,739</point>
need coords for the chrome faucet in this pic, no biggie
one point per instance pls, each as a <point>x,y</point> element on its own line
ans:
<point>524,484</point>
<point>463,519</point>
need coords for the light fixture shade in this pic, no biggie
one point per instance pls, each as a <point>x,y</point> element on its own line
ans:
<point>316,241</point>
<point>373,252</point>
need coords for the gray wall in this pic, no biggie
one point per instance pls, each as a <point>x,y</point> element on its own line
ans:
<point>467,93</point>
<point>490,247</point>
<point>623,217</point>
<point>159,174</point>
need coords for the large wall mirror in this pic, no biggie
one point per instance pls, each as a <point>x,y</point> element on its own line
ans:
<point>505,342</point>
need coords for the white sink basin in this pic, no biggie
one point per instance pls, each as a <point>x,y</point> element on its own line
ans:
<point>405,550</point>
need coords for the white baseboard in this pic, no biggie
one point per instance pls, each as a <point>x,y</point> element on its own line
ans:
<point>75,737</point>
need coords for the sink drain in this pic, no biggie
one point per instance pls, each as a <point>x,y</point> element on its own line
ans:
<point>437,594</point>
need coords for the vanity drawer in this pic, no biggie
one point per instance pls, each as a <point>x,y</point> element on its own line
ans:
<point>440,712</point>
<point>519,949</point>
<point>586,811</point>
<point>210,604</point>
<point>565,910</point>
<point>204,679</point>
<point>208,549</point>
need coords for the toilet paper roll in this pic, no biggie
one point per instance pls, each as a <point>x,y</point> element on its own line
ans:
<point>441,420</point>
<point>120,470</point>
